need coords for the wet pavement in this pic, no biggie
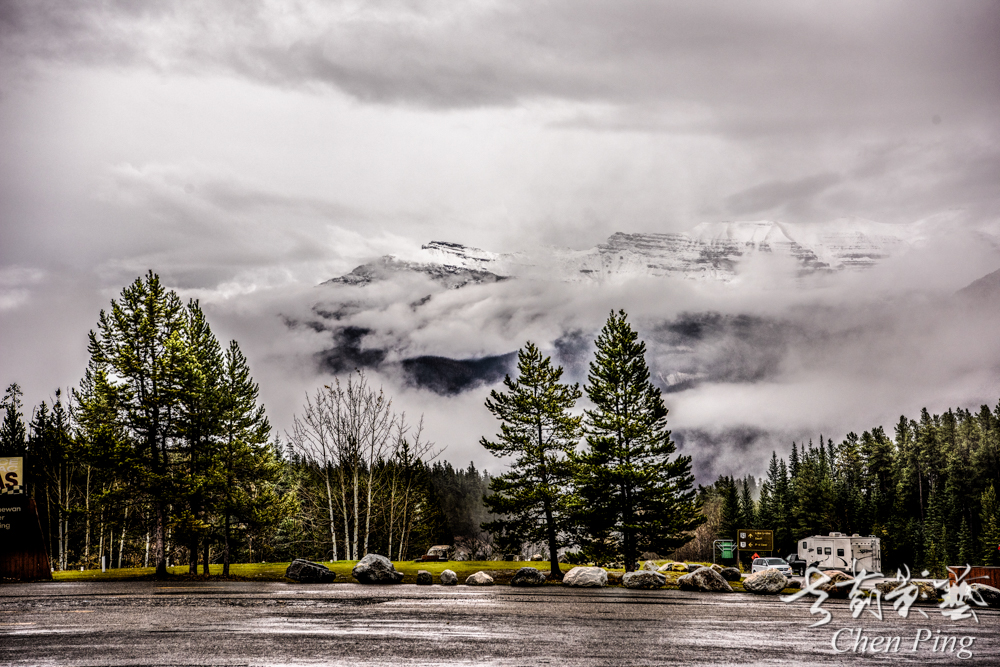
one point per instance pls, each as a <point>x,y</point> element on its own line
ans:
<point>236,623</point>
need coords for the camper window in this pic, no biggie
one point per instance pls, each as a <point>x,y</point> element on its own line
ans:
<point>805,545</point>
<point>827,552</point>
<point>840,552</point>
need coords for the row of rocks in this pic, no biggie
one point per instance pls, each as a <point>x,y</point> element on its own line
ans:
<point>526,576</point>
<point>376,569</point>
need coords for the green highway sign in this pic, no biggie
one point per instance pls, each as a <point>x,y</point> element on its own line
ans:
<point>757,540</point>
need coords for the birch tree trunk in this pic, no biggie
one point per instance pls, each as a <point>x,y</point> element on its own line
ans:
<point>86,529</point>
<point>121,544</point>
<point>357,515</point>
<point>329,504</point>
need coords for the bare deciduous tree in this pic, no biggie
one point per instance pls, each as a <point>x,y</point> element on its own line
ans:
<point>351,437</point>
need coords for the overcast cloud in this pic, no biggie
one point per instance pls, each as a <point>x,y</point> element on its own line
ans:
<point>248,151</point>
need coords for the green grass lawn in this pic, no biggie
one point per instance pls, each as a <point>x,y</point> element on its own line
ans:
<point>501,571</point>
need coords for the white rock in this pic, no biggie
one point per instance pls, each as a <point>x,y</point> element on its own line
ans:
<point>765,582</point>
<point>479,579</point>
<point>586,577</point>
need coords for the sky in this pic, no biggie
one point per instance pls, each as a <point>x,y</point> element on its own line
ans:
<point>249,151</point>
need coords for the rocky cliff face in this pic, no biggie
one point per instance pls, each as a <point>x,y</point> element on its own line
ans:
<point>710,251</point>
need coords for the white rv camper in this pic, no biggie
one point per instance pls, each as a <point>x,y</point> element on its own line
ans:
<point>837,551</point>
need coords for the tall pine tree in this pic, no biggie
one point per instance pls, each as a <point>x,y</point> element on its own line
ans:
<point>134,361</point>
<point>629,489</point>
<point>539,432</point>
<point>989,539</point>
<point>13,434</point>
<point>247,459</point>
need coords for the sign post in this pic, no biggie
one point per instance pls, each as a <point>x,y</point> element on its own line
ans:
<point>726,549</point>
<point>754,539</point>
<point>22,549</point>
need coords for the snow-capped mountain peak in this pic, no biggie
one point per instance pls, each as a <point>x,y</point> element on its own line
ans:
<point>709,251</point>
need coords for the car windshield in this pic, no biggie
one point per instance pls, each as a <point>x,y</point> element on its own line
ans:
<point>775,561</point>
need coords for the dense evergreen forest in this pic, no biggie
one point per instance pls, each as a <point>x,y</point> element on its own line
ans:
<point>929,492</point>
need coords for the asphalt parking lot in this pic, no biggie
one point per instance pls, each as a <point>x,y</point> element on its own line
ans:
<point>235,623</point>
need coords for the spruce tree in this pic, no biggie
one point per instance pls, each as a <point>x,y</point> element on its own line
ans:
<point>247,460</point>
<point>729,519</point>
<point>748,508</point>
<point>989,539</point>
<point>966,545</point>
<point>539,432</point>
<point>766,510</point>
<point>13,434</point>
<point>936,536</point>
<point>198,425</point>
<point>134,367</point>
<point>629,488</point>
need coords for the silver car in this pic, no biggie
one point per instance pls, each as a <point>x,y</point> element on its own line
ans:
<point>779,564</point>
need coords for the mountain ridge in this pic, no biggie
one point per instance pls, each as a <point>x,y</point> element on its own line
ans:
<point>708,251</point>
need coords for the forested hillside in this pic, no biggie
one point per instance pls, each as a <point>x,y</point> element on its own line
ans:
<point>929,492</point>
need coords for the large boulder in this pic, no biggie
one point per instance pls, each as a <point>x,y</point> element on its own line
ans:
<point>479,579</point>
<point>730,574</point>
<point>925,590</point>
<point>716,567</point>
<point>674,567</point>
<point>839,586</point>
<point>704,579</point>
<point>644,579</point>
<point>448,578</point>
<point>424,578</point>
<point>650,566</point>
<point>537,557</point>
<point>586,577</point>
<point>988,594</point>
<point>528,576</point>
<point>308,572</point>
<point>765,582</point>
<point>461,553</point>
<point>439,551</point>
<point>375,569</point>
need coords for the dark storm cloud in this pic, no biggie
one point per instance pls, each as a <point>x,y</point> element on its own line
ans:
<point>759,64</point>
